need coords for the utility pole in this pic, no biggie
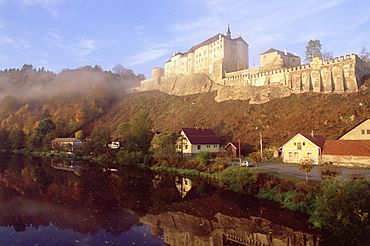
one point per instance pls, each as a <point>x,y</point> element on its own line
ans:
<point>240,156</point>
<point>260,143</point>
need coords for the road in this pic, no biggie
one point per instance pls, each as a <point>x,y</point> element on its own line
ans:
<point>292,170</point>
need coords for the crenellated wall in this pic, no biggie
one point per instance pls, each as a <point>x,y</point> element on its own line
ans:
<point>259,85</point>
<point>334,75</point>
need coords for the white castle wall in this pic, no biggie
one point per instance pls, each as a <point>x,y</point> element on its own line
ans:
<point>335,75</point>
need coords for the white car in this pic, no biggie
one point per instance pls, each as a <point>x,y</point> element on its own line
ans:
<point>247,164</point>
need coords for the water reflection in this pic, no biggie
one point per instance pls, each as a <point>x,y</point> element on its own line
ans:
<point>80,202</point>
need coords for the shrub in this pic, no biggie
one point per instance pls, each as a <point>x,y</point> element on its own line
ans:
<point>343,207</point>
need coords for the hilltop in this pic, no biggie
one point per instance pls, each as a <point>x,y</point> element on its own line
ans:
<point>330,115</point>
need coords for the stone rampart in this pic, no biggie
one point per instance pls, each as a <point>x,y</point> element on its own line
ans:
<point>334,75</point>
<point>259,85</point>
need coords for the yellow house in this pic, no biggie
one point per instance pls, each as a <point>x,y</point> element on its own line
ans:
<point>303,147</point>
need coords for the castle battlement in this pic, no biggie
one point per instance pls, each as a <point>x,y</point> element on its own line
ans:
<point>341,74</point>
<point>224,61</point>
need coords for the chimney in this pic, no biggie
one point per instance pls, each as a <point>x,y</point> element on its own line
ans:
<point>286,51</point>
<point>312,133</point>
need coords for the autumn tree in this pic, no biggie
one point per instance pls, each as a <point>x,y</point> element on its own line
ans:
<point>313,49</point>
<point>255,157</point>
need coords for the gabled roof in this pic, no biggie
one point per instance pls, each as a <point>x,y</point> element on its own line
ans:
<point>201,136</point>
<point>234,145</point>
<point>347,147</point>
<point>317,140</point>
<point>354,127</point>
<point>280,52</point>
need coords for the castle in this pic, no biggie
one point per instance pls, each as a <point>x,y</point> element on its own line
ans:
<point>222,63</point>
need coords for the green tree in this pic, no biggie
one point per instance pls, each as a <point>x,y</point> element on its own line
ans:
<point>17,138</point>
<point>44,127</point>
<point>164,148</point>
<point>203,158</point>
<point>343,207</point>
<point>306,166</point>
<point>138,134</point>
<point>255,157</point>
<point>313,49</point>
<point>4,139</point>
<point>100,139</point>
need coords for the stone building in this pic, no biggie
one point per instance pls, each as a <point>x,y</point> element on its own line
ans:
<point>214,57</point>
<point>221,64</point>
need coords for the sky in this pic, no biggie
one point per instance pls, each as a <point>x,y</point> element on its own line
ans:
<point>142,34</point>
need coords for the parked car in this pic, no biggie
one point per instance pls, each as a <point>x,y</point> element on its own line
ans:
<point>247,164</point>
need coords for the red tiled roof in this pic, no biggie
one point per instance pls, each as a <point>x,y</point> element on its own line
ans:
<point>201,136</point>
<point>316,139</point>
<point>347,147</point>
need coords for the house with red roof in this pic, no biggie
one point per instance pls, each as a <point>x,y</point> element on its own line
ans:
<point>303,147</point>
<point>195,140</point>
<point>351,149</point>
<point>347,152</point>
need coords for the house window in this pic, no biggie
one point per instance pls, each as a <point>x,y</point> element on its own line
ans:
<point>186,146</point>
<point>215,146</point>
<point>368,131</point>
<point>295,144</point>
<point>295,155</point>
<point>199,147</point>
<point>304,143</point>
<point>309,155</point>
<point>299,146</point>
<point>208,146</point>
<point>362,131</point>
<point>290,155</point>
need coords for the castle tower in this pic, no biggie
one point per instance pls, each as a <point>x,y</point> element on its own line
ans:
<point>228,33</point>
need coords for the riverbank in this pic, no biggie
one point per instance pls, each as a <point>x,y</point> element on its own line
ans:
<point>338,206</point>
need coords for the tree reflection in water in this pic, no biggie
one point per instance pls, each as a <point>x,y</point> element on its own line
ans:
<point>95,206</point>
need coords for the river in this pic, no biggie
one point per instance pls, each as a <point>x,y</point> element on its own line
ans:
<point>47,201</point>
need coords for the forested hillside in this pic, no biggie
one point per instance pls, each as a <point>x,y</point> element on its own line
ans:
<point>43,105</point>
<point>330,115</point>
<point>69,99</point>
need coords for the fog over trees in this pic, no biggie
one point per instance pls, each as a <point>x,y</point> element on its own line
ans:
<point>69,99</point>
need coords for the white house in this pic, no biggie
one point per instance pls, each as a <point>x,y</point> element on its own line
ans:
<point>195,140</point>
